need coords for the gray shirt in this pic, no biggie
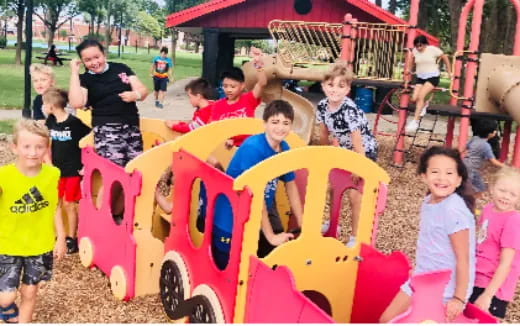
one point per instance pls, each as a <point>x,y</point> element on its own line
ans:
<point>434,251</point>
<point>478,150</point>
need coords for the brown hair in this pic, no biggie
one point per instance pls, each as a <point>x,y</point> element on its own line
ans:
<point>279,107</point>
<point>56,97</point>
<point>32,126</point>
<point>339,69</point>
<point>199,86</point>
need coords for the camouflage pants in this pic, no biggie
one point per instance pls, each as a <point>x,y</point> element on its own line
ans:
<point>35,269</point>
<point>118,142</point>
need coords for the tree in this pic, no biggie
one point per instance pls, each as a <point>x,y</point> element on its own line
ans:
<point>147,24</point>
<point>52,11</point>
<point>18,6</point>
<point>95,13</point>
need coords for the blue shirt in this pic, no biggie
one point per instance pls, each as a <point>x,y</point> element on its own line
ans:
<point>253,150</point>
<point>161,66</point>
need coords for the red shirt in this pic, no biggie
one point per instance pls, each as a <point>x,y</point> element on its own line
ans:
<point>244,107</point>
<point>200,118</point>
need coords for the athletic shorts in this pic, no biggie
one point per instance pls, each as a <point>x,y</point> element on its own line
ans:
<point>69,188</point>
<point>433,80</point>
<point>32,270</point>
<point>160,84</point>
<point>476,180</point>
<point>497,308</point>
<point>118,142</point>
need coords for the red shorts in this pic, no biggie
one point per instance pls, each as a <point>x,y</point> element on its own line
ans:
<point>69,188</point>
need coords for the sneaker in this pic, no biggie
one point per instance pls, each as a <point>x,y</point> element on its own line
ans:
<point>412,126</point>
<point>351,242</point>
<point>325,226</point>
<point>160,105</point>
<point>425,107</point>
<point>156,103</point>
<point>72,245</point>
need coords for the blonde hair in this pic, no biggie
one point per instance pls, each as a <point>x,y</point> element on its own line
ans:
<point>339,69</point>
<point>32,126</point>
<point>38,68</point>
<point>56,97</point>
<point>509,173</point>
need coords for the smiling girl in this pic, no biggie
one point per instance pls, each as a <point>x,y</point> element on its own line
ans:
<point>446,232</point>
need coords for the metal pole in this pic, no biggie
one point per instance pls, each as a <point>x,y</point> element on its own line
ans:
<point>26,112</point>
<point>120,39</point>
<point>5,23</point>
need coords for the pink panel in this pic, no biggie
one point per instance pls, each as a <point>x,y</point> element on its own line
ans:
<point>380,207</point>
<point>199,261</point>
<point>427,302</point>
<point>376,286</point>
<point>273,298</point>
<point>112,244</point>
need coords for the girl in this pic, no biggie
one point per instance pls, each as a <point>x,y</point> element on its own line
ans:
<point>446,232</point>
<point>427,72</point>
<point>498,266</point>
<point>339,116</point>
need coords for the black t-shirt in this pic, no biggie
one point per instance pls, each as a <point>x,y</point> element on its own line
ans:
<point>103,95</point>
<point>66,154</point>
<point>37,108</point>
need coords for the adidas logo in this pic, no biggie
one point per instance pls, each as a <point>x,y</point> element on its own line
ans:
<point>30,202</point>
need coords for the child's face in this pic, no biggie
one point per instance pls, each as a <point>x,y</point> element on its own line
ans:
<point>42,82</point>
<point>194,99</point>
<point>335,89</point>
<point>93,59</point>
<point>232,88</point>
<point>30,149</point>
<point>441,177</point>
<point>505,195</point>
<point>277,127</point>
<point>47,108</point>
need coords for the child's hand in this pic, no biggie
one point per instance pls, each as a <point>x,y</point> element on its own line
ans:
<point>454,308</point>
<point>334,142</point>
<point>230,143</point>
<point>483,302</point>
<point>281,238</point>
<point>59,248</point>
<point>257,54</point>
<point>75,65</point>
<point>170,123</point>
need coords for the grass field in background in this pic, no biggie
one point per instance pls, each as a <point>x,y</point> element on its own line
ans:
<point>6,126</point>
<point>12,76</point>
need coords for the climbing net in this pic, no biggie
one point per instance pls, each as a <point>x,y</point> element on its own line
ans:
<point>379,49</point>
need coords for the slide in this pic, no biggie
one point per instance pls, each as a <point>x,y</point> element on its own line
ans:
<point>276,72</point>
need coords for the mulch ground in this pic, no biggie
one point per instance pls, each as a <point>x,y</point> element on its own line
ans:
<point>79,295</point>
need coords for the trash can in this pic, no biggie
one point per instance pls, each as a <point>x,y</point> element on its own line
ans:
<point>364,99</point>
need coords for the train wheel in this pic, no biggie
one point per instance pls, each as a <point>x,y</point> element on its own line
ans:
<point>118,283</point>
<point>209,311</point>
<point>86,252</point>
<point>174,284</point>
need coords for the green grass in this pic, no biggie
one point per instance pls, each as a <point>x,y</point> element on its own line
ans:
<point>6,126</point>
<point>12,76</point>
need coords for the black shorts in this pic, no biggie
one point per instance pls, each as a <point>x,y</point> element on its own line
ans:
<point>160,84</point>
<point>497,308</point>
<point>264,247</point>
<point>433,80</point>
<point>32,270</point>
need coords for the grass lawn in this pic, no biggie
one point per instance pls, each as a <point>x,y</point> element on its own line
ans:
<point>12,76</point>
<point>6,126</point>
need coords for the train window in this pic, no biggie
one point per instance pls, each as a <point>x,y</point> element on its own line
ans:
<point>163,209</point>
<point>117,202</point>
<point>198,206</point>
<point>222,230</point>
<point>96,183</point>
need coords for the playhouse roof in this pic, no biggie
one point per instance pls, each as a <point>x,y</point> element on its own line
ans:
<point>255,14</point>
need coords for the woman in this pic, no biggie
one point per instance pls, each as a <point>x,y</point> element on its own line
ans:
<point>427,73</point>
<point>53,56</point>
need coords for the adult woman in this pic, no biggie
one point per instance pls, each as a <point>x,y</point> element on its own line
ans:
<point>111,90</point>
<point>53,56</point>
<point>427,73</point>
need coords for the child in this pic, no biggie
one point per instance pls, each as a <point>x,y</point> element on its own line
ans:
<point>66,131</point>
<point>339,116</point>
<point>31,230</point>
<point>159,70</point>
<point>42,78</point>
<point>498,265</point>
<point>236,104</point>
<point>479,150</point>
<point>446,232</point>
<point>198,92</point>
<point>278,118</point>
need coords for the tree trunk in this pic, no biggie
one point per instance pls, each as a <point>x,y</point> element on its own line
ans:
<point>379,3</point>
<point>108,33</point>
<point>455,7</point>
<point>392,6</point>
<point>175,35</point>
<point>20,13</point>
<point>51,32</point>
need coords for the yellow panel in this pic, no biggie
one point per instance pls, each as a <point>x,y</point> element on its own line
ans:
<point>85,116</point>
<point>311,258</point>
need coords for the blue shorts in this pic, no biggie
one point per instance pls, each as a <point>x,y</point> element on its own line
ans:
<point>32,270</point>
<point>476,180</point>
<point>160,84</point>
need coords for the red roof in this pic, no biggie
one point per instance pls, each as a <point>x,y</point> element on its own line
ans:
<point>202,15</point>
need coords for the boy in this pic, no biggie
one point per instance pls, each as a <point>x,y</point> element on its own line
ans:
<point>42,77</point>
<point>236,104</point>
<point>479,150</point>
<point>160,73</point>
<point>278,118</point>
<point>66,131</point>
<point>198,92</point>
<point>31,230</point>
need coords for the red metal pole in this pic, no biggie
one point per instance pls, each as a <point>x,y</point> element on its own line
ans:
<point>516,51</point>
<point>346,41</point>
<point>404,98</point>
<point>471,71</point>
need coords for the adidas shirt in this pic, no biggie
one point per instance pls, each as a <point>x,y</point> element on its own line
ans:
<point>27,208</point>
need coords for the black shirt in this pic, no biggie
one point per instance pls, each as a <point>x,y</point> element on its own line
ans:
<point>37,108</point>
<point>66,154</point>
<point>103,95</point>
